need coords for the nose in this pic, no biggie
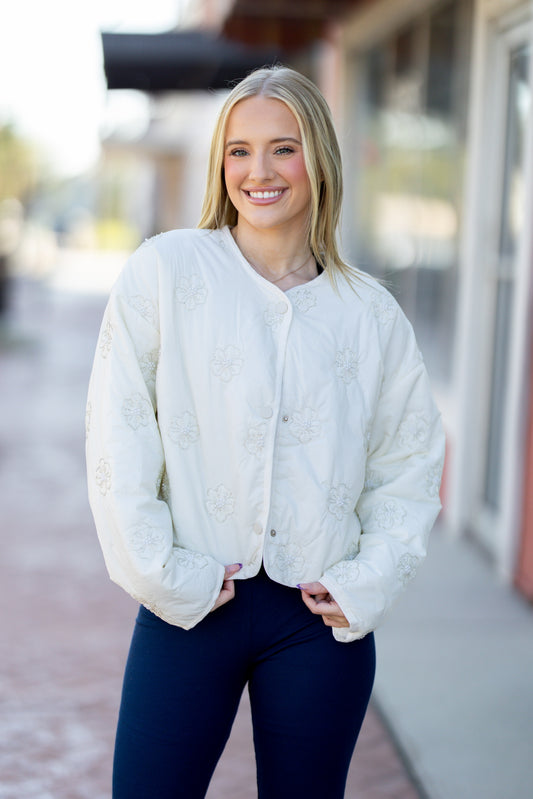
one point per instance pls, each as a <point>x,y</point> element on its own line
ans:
<point>261,168</point>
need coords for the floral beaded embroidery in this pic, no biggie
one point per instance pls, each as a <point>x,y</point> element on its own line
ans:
<point>191,560</point>
<point>227,362</point>
<point>352,552</point>
<point>289,562</point>
<point>275,313</point>
<point>346,365</point>
<point>339,501</point>
<point>144,307</point>
<point>433,478</point>
<point>255,440</point>
<point>305,425</point>
<point>407,567</point>
<point>345,572</point>
<point>103,476</point>
<point>389,515</point>
<point>106,339</point>
<point>414,430</point>
<point>136,410</point>
<point>383,308</point>
<point>145,540</point>
<point>304,300</point>
<point>148,365</point>
<point>191,291</point>
<point>220,502</point>
<point>184,430</point>
<point>289,559</point>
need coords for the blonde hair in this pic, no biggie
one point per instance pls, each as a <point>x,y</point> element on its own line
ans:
<point>321,154</point>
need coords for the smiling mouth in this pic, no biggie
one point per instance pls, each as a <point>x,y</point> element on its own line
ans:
<point>270,194</point>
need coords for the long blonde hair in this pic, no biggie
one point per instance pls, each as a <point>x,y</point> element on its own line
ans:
<point>321,154</point>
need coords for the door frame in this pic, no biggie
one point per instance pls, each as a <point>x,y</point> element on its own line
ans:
<point>497,31</point>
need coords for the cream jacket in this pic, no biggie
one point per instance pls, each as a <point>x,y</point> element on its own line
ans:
<point>231,422</point>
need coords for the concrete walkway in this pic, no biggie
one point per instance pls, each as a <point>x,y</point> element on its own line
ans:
<point>64,627</point>
<point>455,678</point>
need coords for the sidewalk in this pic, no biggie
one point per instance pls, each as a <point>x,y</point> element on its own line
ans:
<point>455,678</point>
<point>65,627</point>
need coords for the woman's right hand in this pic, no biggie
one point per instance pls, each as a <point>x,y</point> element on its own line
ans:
<point>227,591</point>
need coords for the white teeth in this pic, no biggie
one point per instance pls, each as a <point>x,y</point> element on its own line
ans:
<point>264,195</point>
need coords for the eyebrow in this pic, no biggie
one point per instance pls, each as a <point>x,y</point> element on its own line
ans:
<point>233,142</point>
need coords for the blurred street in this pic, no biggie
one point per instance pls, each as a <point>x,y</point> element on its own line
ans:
<point>65,627</point>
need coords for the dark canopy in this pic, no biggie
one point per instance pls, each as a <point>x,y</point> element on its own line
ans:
<point>181,60</point>
<point>290,24</point>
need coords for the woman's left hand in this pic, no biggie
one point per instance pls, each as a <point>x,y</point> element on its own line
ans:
<point>319,601</point>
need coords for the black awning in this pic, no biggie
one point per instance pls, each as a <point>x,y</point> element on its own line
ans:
<point>178,61</point>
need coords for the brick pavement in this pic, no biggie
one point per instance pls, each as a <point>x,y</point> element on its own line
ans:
<point>64,626</point>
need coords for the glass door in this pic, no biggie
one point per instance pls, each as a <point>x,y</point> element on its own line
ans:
<point>508,209</point>
<point>511,225</point>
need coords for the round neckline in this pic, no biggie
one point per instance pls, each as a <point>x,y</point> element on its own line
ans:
<point>263,280</point>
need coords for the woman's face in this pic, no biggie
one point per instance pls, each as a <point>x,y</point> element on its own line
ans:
<point>264,166</point>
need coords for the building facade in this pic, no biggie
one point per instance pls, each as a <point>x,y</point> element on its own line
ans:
<point>438,137</point>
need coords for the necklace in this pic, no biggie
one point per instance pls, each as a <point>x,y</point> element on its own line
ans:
<point>262,273</point>
<point>279,279</point>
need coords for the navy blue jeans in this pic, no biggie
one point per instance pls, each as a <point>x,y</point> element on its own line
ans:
<point>308,695</point>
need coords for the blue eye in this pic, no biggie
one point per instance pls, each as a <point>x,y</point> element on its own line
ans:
<point>284,150</point>
<point>239,152</point>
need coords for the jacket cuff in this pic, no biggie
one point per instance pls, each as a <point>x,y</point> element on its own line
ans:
<point>359,626</point>
<point>345,636</point>
<point>181,603</point>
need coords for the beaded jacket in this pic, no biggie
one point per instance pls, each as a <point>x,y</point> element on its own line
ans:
<point>229,421</point>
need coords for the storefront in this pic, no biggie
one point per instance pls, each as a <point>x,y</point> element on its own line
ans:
<point>439,124</point>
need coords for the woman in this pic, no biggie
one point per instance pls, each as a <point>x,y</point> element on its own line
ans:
<point>264,459</point>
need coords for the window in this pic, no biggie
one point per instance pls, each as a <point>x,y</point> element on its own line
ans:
<point>410,173</point>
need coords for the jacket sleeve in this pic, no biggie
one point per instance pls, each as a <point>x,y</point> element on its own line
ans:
<point>125,459</point>
<point>400,500</point>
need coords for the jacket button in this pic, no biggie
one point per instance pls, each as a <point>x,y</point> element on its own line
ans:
<point>257,527</point>
<point>282,307</point>
<point>273,533</point>
<point>266,412</point>
<point>285,418</point>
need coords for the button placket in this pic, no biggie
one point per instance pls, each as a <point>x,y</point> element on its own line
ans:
<point>281,308</point>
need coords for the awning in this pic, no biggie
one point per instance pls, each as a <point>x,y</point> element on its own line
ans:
<point>178,61</point>
<point>289,24</point>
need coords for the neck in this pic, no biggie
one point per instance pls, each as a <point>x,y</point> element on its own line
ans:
<point>276,256</point>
